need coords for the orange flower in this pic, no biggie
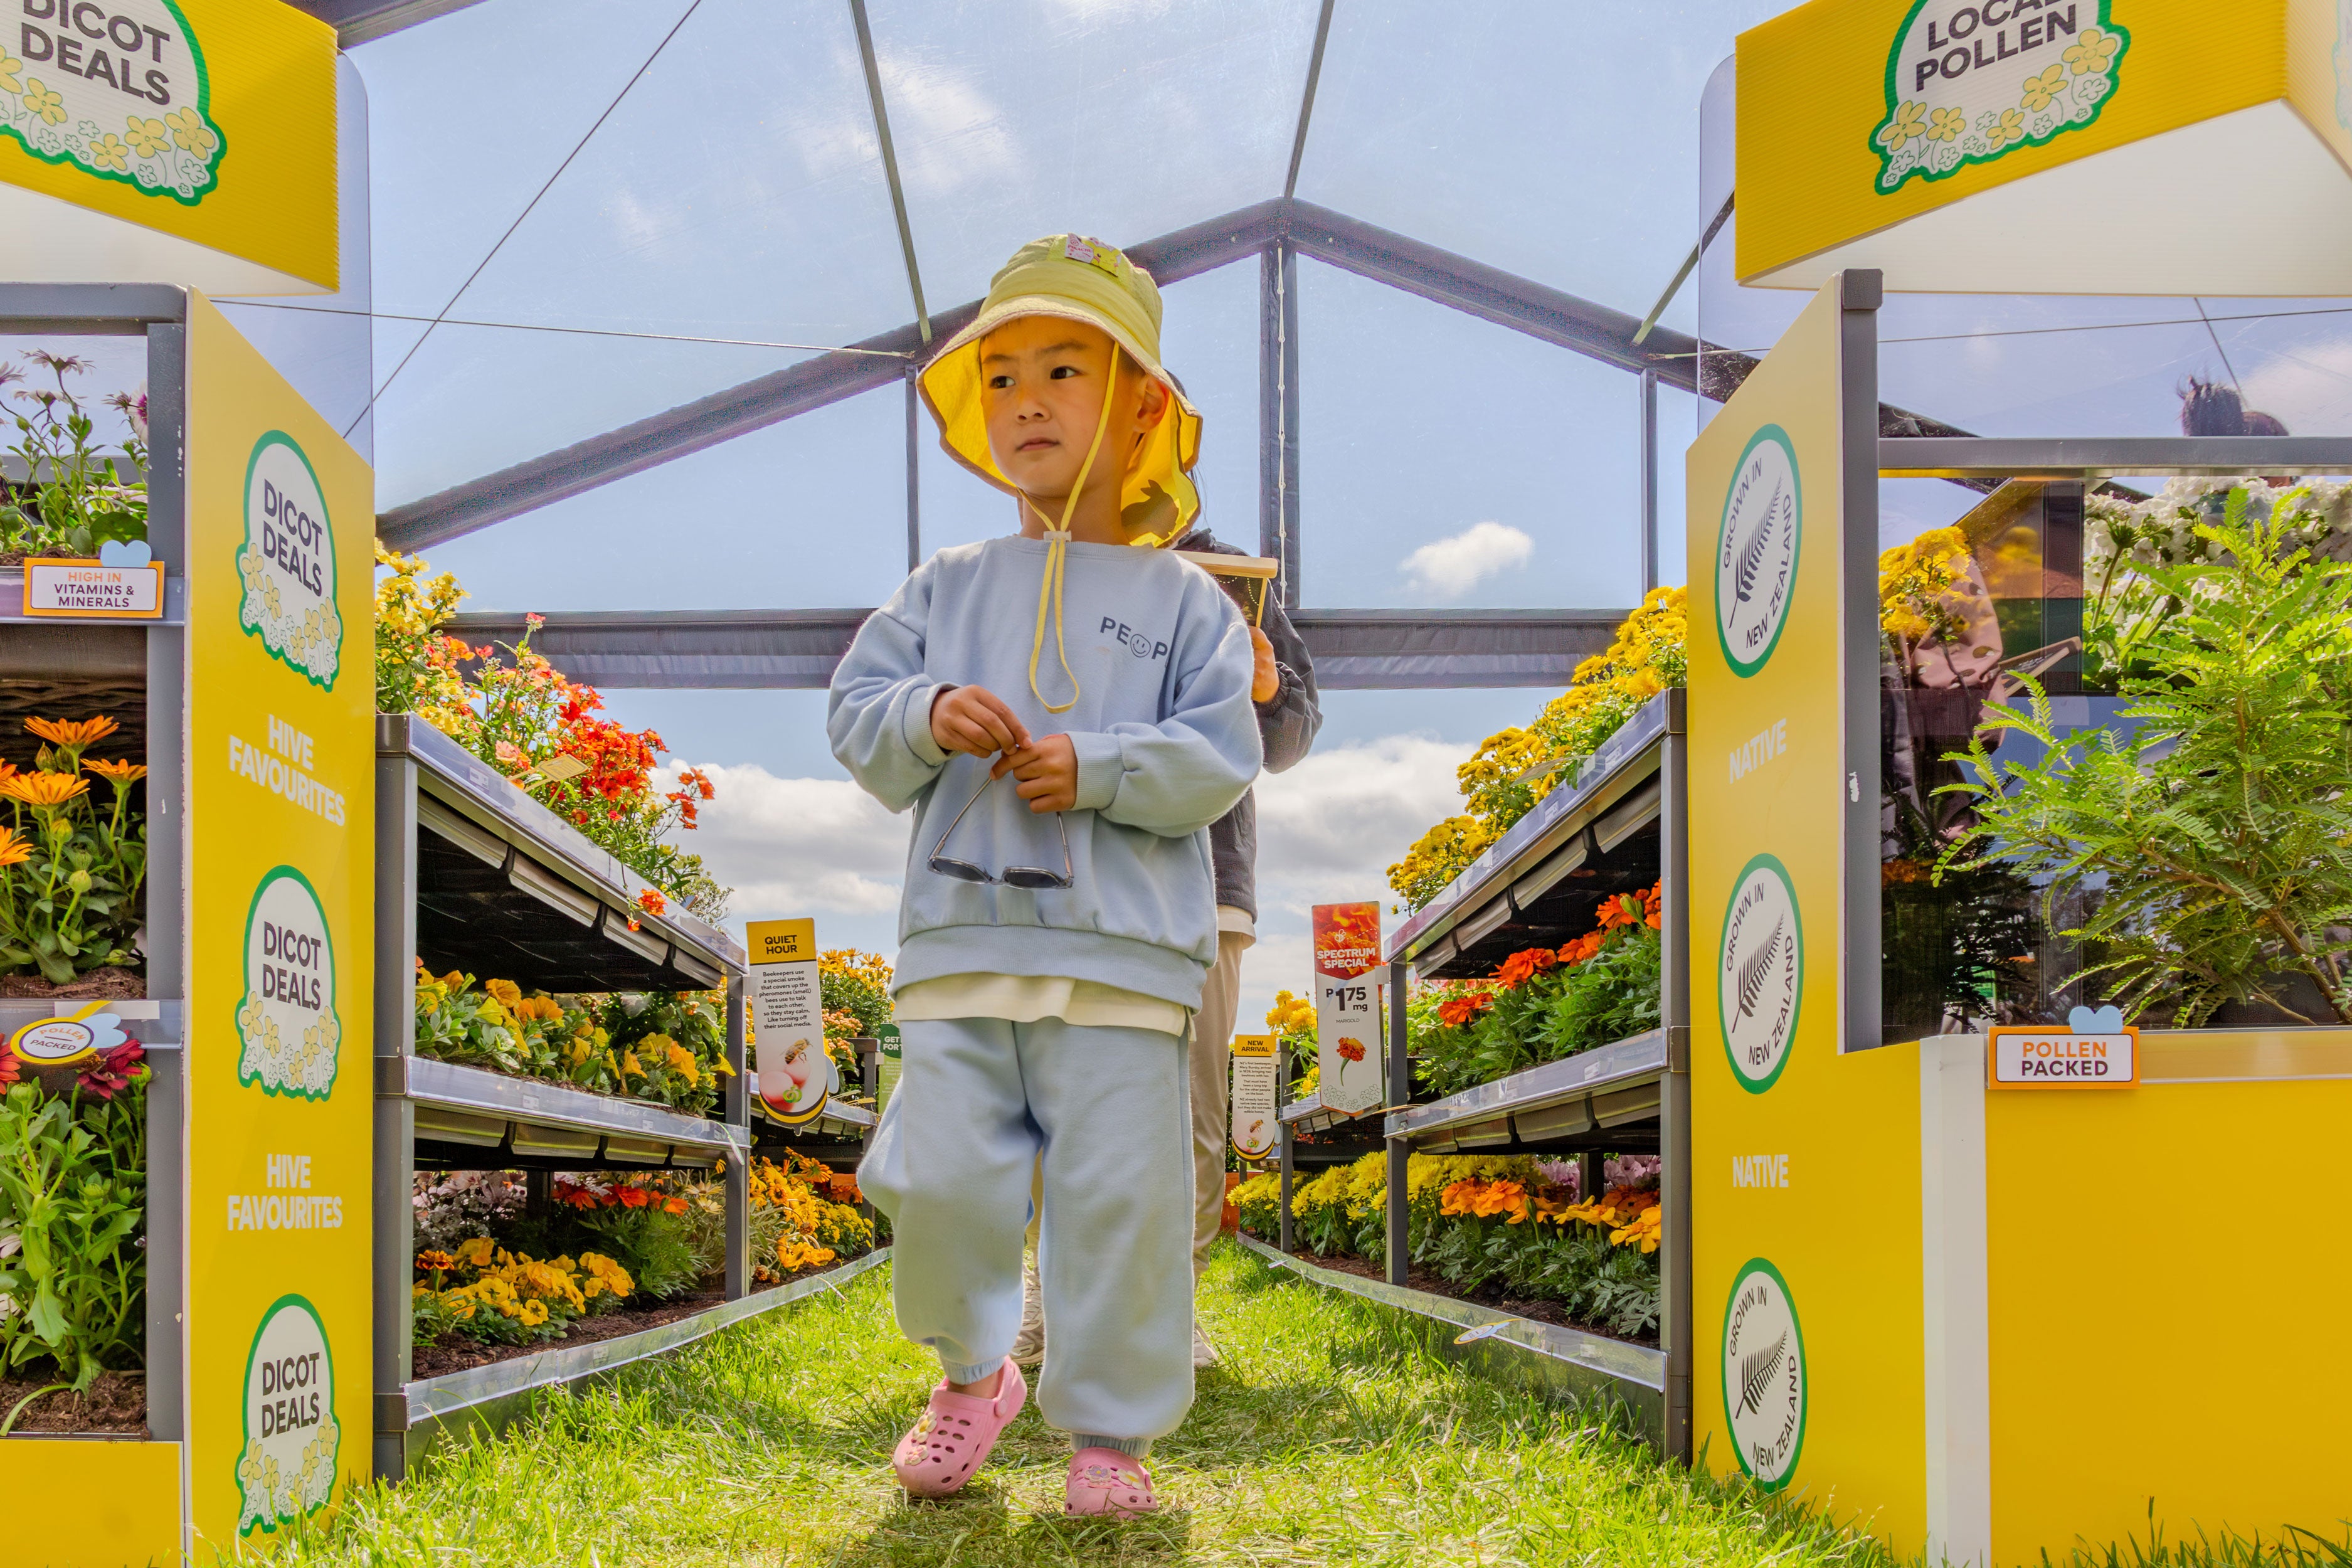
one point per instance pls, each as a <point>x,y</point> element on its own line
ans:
<point>631,1198</point>
<point>43,789</point>
<point>1582,949</point>
<point>1525,965</point>
<point>72,734</point>
<point>1351,1048</point>
<point>652,902</point>
<point>1457,1011</point>
<point>13,851</point>
<point>117,772</point>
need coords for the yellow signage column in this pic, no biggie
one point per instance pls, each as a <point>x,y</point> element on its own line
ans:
<point>280,531</point>
<point>1783,805</point>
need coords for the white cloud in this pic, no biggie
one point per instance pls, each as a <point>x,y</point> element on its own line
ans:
<point>1452,566</point>
<point>797,846</point>
<point>1328,831</point>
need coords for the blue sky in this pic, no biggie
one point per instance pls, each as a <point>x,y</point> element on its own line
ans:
<point>735,192</point>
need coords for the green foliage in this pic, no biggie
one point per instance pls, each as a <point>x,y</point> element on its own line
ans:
<point>2215,845</point>
<point>657,1247</point>
<point>642,1024</point>
<point>73,1195</point>
<point>1566,1011</point>
<point>72,501</point>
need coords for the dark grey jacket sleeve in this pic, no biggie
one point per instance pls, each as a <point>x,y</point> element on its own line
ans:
<point>1287,723</point>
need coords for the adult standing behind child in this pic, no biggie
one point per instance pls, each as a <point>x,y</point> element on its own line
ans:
<point>1055,931</point>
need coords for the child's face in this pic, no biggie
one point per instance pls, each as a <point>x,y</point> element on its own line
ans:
<point>1041,392</point>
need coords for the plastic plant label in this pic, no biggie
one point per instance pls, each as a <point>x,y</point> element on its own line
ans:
<point>794,1075</point>
<point>1255,1069</point>
<point>1347,1006</point>
<point>59,1042</point>
<point>2097,1050</point>
<point>1482,1331</point>
<point>94,590</point>
<point>887,1066</point>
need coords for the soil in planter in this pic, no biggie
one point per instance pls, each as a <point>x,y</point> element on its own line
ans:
<point>1489,1295</point>
<point>108,984</point>
<point>457,1354</point>
<point>115,1407</point>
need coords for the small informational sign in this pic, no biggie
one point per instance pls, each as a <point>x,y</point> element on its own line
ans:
<point>1255,1071</point>
<point>887,1067</point>
<point>74,1038</point>
<point>1347,1006</point>
<point>2095,1052</point>
<point>86,589</point>
<point>793,1073</point>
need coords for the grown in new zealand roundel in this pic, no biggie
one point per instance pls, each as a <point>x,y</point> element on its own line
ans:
<point>1756,551</point>
<point>1764,1374</point>
<point>1760,972</point>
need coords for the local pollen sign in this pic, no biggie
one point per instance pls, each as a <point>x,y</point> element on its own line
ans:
<point>1969,81</point>
<point>117,90</point>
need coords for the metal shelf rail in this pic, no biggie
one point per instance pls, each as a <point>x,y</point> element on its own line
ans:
<point>471,873</point>
<point>1618,828</point>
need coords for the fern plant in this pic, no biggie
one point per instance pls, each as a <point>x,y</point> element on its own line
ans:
<point>2214,846</point>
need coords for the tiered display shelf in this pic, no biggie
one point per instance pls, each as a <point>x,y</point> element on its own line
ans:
<point>473,873</point>
<point>1618,828</point>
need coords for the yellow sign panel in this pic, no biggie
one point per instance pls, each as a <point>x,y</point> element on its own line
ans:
<point>280,798</point>
<point>1803,1375</point>
<point>1970,146</point>
<point>208,126</point>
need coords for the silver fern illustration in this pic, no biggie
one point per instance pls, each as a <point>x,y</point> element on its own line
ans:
<point>1752,554</point>
<point>1755,1370</point>
<point>1753,969</point>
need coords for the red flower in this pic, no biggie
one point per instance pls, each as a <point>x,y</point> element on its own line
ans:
<point>631,1198</point>
<point>10,1067</point>
<point>114,1072</point>
<point>652,902</point>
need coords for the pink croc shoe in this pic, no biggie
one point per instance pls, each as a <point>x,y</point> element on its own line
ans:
<point>1106,1482</point>
<point>955,1433</point>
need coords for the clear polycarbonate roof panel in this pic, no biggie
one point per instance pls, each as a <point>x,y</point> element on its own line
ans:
<point>807,513</point>
<point>736,191</point>
<point>1445,461</point>
<point>1210,341</point>
<point>1121,118</point>
<point>1559,142</point>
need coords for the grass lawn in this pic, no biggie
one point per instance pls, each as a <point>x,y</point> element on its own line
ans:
<point>1327,1436</point>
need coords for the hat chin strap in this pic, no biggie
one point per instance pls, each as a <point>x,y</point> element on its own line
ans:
<point>1057,538</point>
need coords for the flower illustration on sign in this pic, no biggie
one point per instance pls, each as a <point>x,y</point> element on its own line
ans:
<point>1956,64</point>
<point>287,1022</point>
<point>144,59</point>
<point>286,561</point>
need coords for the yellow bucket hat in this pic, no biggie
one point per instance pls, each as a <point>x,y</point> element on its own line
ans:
<point>1080,280</point>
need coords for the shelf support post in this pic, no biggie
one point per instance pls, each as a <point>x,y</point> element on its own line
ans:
<point>1400,1152</point>
<point>737,1110</point>
<point>395,1113</point>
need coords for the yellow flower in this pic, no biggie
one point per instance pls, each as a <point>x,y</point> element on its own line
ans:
<point>9,66</point>
<point>2041,89</point>
<point>108,152</point>
<point>508,993</point>
<point>149,137</point>
<point>532,1313</point>
<point>1947,123</point>
<point>189,130</point>
<point>630,1067</point>
<point>2093,52</point>
<point>1909,123</point>
<point>2009,128</point>
<point>491,1013</point>
<point>41,100</point>
<point>475,1252</point>
<point>681,1061</point>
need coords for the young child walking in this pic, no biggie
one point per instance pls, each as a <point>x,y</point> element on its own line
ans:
<point>1067,711</point>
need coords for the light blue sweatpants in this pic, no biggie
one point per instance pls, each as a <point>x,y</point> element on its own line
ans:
<point>977,1100</point>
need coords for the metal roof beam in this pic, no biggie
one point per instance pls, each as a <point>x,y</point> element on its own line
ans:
<point>357,22</point>
<point>812,383</point>
<point>797,649</point>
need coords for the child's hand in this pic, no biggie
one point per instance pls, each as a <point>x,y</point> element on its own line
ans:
<point>975,721</point>
<point>1266,679</point>
<point>1048,772</point>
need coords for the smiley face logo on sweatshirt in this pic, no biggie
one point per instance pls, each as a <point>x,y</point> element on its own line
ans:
<point>1138,643</point>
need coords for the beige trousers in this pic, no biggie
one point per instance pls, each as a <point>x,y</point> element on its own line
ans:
<point>1211,1069</point>
<point>1212,1036</point>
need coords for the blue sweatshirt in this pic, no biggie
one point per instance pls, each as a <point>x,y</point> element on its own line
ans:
<point>1166,739</point>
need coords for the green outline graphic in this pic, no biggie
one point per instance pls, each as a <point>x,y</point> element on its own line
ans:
<point>203,112</point>
<point>1796,554</point>
<point>334,565</point>
<point>1804,1373</point>
<point>268,1522</point>
<point>1894,99</point>
<point>1797,1010</point>
<point>334,986</point>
